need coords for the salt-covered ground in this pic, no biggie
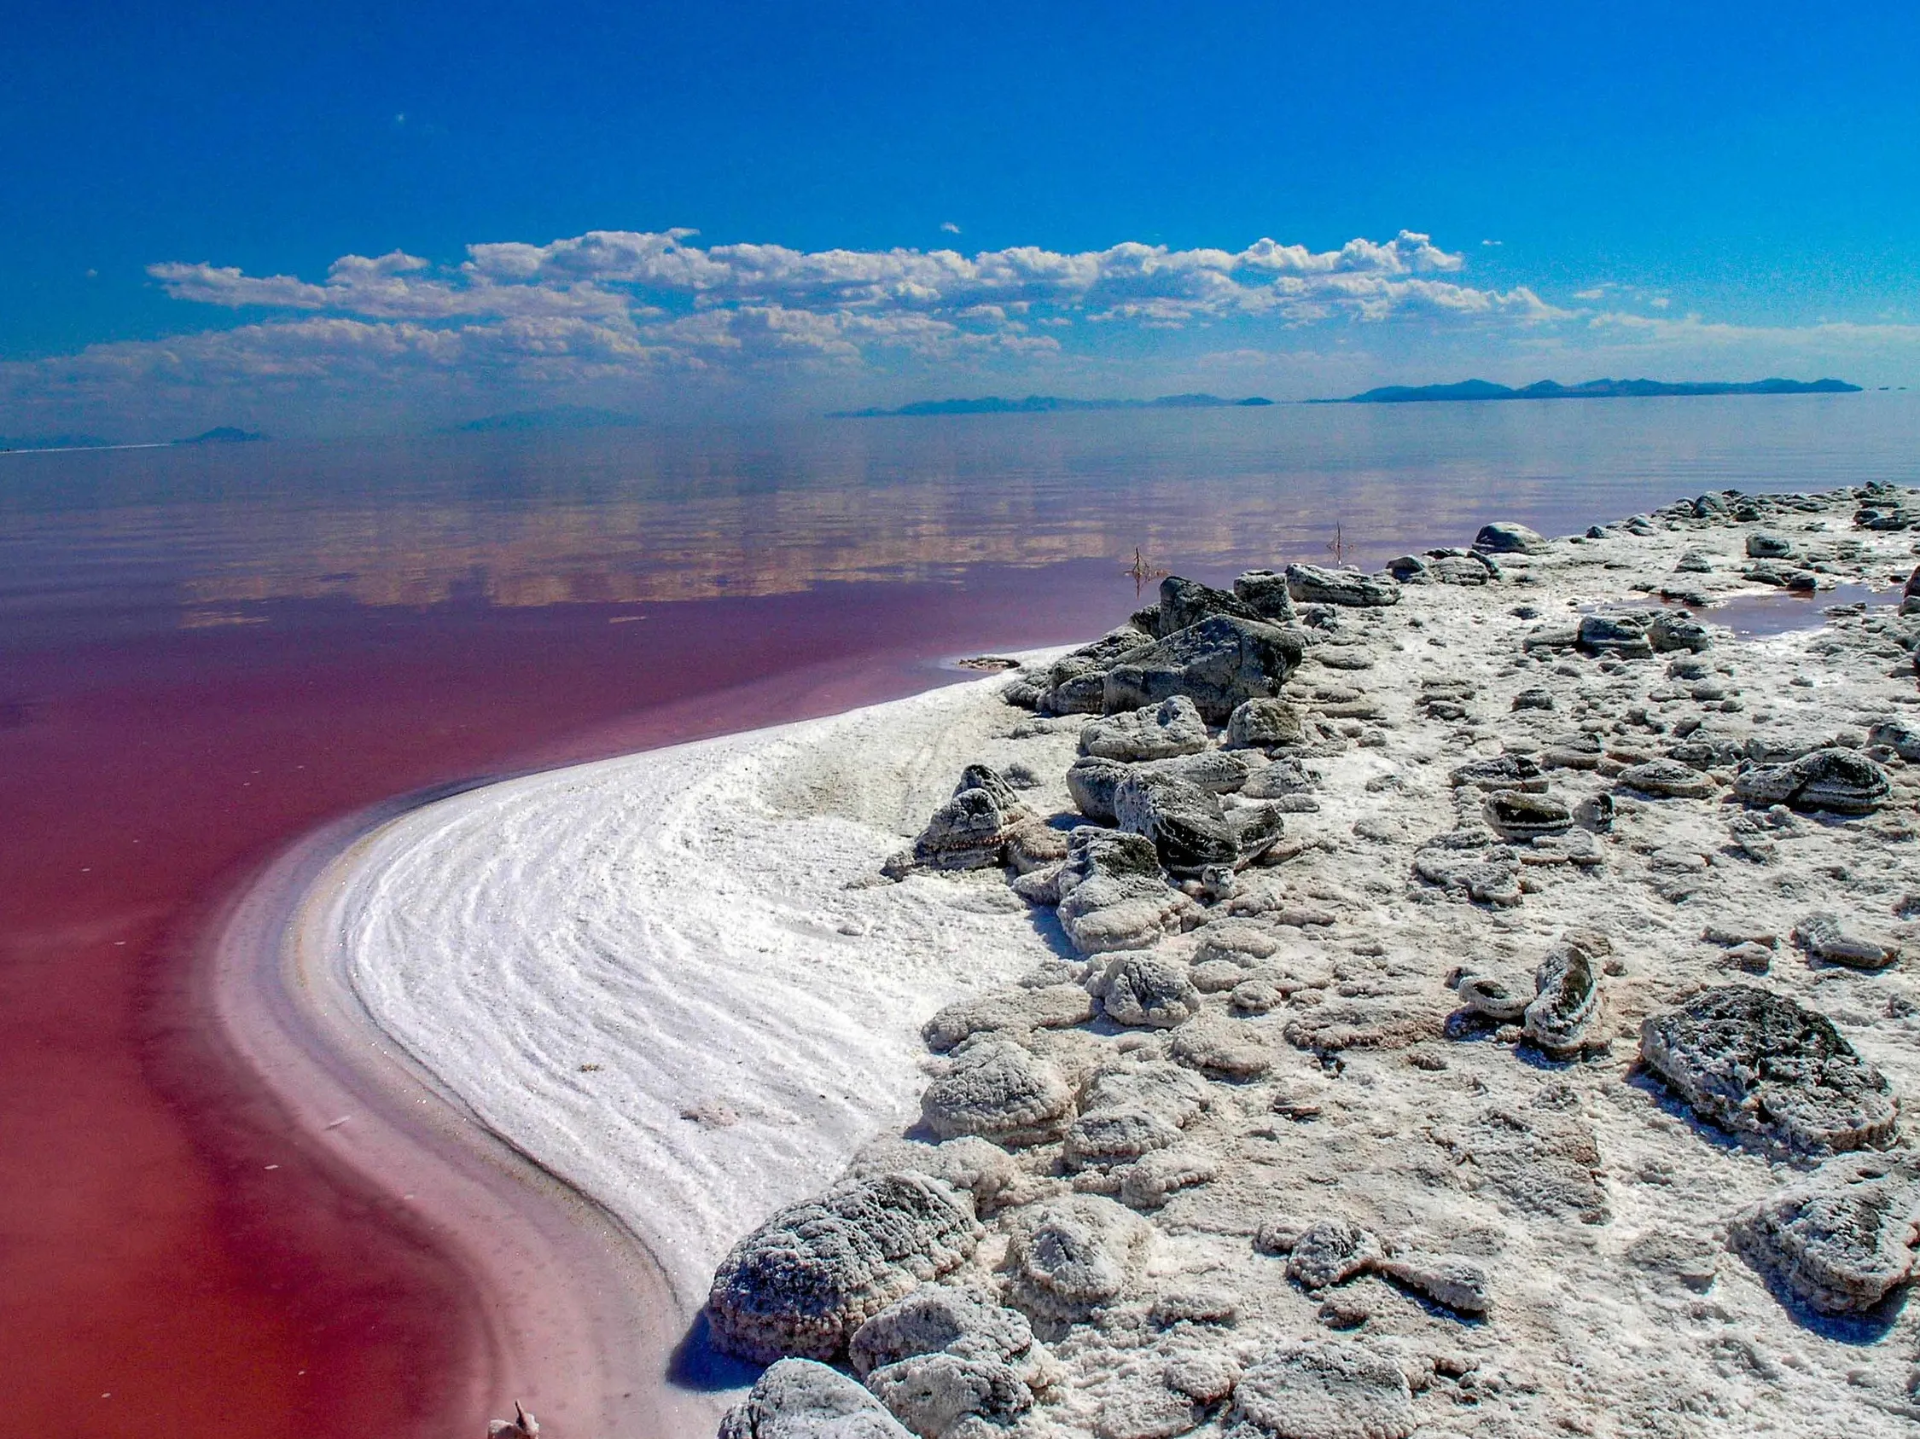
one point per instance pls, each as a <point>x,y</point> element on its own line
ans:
<point>676,981</point>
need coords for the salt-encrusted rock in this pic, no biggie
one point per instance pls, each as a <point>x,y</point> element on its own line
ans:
<point>1502,538</point>
<point>1842,1238</point>
<point>1761,1063</point>
<point>1492,998</point>
<point>1310,584</point>
<point>937,1319</point>
<point>1824,938</point>
<point>1114,895</point>
<point>1218,664</point>
<point>1471,864</point>
<point>1166,1089</point>
<point>1093,782</point>
<point>1538,1157</point>
<point>1145,990</point>
<point>1672,631</point>
<point>1186,602</point>
<point>1001,1091</point>
<point>1331,1251</point>
<point>1617,635</point>
<point>934,1394</point>
<point>799,1399</point>
<point>1327,1389</point>
<point>1053,1006</point>
<point>1565,1011</point>
<point>1450,568</point>
<point>1266,592</point>
<point>1146,1183</point>
<point>1171,727</point>
<point>801,1283</point>
<point>1501,771</point>
<point>1222,1048</point>
<point>1076,682</point>
<point>1533,699</point>
<point>1410,569</point>
<point>1519,815</point>
<point>969,831</point>
<point>1764,546</point>
<point>1451,1280</point>
<point>1668,778</point>
<point>1068,1256</point>
<point>1841,780</point>
<point>1265,724</point>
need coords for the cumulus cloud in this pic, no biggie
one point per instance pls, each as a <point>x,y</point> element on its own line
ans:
<point>648,305</point>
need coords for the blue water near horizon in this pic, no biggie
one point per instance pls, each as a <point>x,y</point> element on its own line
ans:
<point>211,535</point>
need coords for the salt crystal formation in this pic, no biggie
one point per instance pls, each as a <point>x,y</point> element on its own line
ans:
<point>1333,1126</point>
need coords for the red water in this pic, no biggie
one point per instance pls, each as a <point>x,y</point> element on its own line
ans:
<point>171,1260</point>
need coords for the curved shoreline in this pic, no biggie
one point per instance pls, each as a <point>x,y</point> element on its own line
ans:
<point>567,1288</point>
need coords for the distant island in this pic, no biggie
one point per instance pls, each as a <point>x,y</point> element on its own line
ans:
<point>223,435</point>
<point>1591,390</point>
<point>560,417</point>
<point>1044,404</point>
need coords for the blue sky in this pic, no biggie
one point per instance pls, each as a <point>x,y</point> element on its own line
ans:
<point>895,201</point>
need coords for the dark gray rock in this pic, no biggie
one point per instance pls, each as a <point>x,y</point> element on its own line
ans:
<point>1266,724</point>
<point>1218,664</point>
<point>800,1399</point>
<point>1187,602</point>
<point>1500,772</point>
<point>1187,826</point>
<point>805,1280</point>
<point>1266,593</point>
<point>1617,636</point>
<point>1668,778</point>
<point>1564,1017</point>
<point>1172,727</point>
<point>1672,631</point>
<point>1760,1063</point>
<point>1502,538</point>
<point>1517,814</point>
<point>1841,780</point>
<point>1311,584</point>
<point>1764,546</point>
<point>1076,682</point>
<point>1842,1237</point>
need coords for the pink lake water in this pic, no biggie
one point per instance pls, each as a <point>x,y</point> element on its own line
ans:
<point>206,653</point>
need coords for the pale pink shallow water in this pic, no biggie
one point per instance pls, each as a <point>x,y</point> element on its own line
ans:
<point>206,656</point>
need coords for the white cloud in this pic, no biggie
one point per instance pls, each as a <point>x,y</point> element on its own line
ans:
<point>948,227</point>
<point>655,309</point>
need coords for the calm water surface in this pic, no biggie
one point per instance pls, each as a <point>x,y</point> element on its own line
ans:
<point>205,653</point>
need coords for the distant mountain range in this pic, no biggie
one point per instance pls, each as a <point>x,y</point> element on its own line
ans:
<point>560,417</point>
<point>224,435</point>
<point>1044,404</point>
<point>1591,390</point>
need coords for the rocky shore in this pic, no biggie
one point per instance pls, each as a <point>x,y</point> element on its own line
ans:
<point>1475,997</point>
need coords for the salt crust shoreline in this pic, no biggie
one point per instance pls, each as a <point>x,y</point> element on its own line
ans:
<point>669,981</point>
